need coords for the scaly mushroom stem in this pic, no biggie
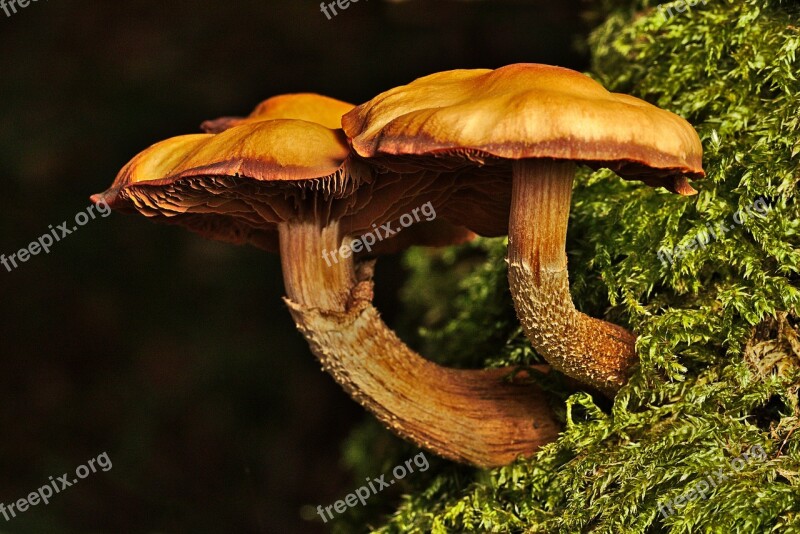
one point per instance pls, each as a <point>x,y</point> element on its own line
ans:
<point>590,350</point>
<point>471,416</point>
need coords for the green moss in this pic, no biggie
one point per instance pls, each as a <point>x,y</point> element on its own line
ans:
<point>720,356</point>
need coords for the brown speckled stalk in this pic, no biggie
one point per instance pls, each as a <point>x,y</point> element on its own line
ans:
<point>589,350</point>
<point>470,416</point>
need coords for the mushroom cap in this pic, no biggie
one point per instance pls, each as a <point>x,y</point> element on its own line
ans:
<point>238,185</point>
<point>525,111</point>
<point>215,184</point>
<point>303,106</point>
<point>278,150</point>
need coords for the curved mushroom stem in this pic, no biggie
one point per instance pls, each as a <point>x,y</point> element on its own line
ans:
<point>589,350</point>
<point>471,416</point>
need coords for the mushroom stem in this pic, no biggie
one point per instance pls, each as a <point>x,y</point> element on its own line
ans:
<point>472,416</point>
<point>592,351</point>
<point>313,272</point>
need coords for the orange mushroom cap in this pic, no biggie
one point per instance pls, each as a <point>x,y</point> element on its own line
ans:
<point>526,111</point>
<point>237,185</point>
<point>303,106</point>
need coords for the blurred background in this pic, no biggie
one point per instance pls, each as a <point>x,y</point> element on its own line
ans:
<point>173,354</point>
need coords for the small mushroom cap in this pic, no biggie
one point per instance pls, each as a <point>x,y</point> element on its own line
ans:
<point>281,150</point>
<point>526,111</point>
<point>208,182</point>
<point>302,106</point>
<point>275,150</point>
<point>266,151</point>
<point>238,185</point>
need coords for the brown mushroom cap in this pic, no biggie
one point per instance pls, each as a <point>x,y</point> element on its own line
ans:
<point>526,111</point>
<point>208,183</point>
<point>238,185</point>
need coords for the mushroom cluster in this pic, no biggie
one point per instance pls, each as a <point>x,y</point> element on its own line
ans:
<point>495,153</point>
<point>283,180</point>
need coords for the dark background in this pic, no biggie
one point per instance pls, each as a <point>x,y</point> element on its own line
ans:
<point>173,354</point>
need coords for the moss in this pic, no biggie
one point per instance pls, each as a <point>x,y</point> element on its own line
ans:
<point>718,328</point>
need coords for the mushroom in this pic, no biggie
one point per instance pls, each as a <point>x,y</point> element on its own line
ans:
<point>293,184</point>
<point>311,107</point>
<point>535,124</point>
